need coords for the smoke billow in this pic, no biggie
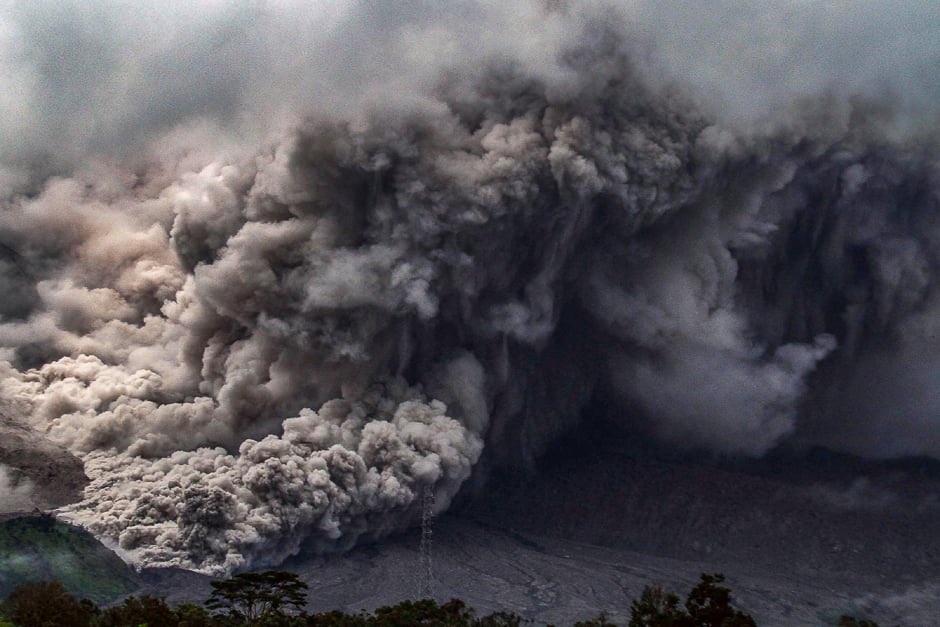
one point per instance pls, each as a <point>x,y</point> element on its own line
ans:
<point>272,273</point>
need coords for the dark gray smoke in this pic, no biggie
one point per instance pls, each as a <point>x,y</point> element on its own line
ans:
<point>277,271</point>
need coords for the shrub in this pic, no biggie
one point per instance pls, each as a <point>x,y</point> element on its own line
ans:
<point>47,604</point>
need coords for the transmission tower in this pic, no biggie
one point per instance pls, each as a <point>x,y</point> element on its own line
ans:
<point>425,574</point>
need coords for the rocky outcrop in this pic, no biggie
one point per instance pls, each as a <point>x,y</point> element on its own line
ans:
<point>36,472</point>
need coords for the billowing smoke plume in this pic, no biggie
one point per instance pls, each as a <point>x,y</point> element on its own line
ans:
<point>280,270</point>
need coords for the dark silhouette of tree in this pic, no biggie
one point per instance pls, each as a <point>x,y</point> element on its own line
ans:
<point>709,605</point>
<point>192,615</point>
<point>850,621</point>
<point>501,619</point>
<point>337,619</point>
<point>454,613</point>
<point>258,598</point>
<point>601,620</point>
<point>657,607</point>
<point>144,610</point>
<point>47,604</point>
<point>265,600</point>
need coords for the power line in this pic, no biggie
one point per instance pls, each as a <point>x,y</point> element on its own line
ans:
<point>425,572</point>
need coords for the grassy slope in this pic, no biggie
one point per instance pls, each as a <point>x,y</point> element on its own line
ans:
<point>37,548</point>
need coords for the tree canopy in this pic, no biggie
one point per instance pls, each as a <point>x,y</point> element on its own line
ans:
<point>254,597</point>
<point>277,599</point>
<point>707,605</point>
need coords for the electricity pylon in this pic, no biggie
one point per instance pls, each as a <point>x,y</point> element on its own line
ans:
<point>425,574</point>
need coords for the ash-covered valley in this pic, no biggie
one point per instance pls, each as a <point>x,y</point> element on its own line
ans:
<point>274,274</point>
<point>803,538</point>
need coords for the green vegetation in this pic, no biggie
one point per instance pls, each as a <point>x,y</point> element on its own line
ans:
<point>39,548</point>
<point>277,598</point>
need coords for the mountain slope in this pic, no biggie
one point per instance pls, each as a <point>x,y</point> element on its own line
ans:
<point>39,548</point>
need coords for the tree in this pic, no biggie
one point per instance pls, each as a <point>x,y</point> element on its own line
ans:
<point>47,604</point>
<point>850,621</point>
<point>146,610</point>
<point>501,619</point>
<point>454,613</point>
<point>192,615</point>
<point>657,607</point>
<point>336,618</point>
<point>601,620</point>
<point>258,597</point>
<point>709,605</point>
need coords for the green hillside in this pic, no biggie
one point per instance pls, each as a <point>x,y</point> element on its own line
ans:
<point>38,548</point>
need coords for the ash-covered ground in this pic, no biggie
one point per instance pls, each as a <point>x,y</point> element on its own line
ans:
<point>833,535</point>
<point>804,536</point>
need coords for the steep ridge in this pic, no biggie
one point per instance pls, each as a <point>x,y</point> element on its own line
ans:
<point>35,472</point>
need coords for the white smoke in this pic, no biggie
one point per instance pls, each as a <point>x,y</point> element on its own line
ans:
<point>274,270</point>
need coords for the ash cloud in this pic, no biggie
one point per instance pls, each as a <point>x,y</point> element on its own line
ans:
<point>280,269</point>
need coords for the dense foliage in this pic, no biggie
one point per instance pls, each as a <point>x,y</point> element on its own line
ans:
<point>253,598</point>
<point>277,599</point>
<point>708,605</point>
<point>39,548</point>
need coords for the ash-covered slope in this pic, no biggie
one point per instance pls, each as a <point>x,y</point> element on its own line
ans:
<point>803,539</point>
<point>559,581</point>
<point>35,472</point>
<point>554,580</point>
<point>853,526</point>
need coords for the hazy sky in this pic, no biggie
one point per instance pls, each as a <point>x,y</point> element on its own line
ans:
<point>96,75</point>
